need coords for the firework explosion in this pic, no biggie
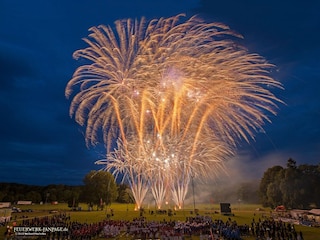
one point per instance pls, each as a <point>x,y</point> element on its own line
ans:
<point>178,96</point>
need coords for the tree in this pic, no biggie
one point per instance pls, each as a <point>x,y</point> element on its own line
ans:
<point>2,195</point>
<point>309,187</point>
<point>274,195</point>
<point>269,177</point>
<point>291,164</point>
<point>294,186</point>
<point>124,194</point>
<point>33,196</point>
<point>288,185</point>
<point>247,192</point>
<point>100,188</point>
<point>73,199</point>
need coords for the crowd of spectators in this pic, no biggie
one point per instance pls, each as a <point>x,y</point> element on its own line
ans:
<point>202,226</point>
<point>205,227</point>
<point>270,228</point>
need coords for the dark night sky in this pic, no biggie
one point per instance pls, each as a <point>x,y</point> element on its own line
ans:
<point>40,143</point>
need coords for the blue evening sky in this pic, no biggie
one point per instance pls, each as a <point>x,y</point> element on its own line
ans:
<point>40,144</point>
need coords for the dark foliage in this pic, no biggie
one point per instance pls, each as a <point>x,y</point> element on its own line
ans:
<point>293,186</point>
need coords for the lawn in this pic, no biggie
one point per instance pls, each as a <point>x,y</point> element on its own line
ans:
<point>243,214</point>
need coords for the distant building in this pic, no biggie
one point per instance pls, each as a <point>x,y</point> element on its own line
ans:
<point>314,214</point>
<point>298,214</point>
<point>5,204</point>
<point>24,202</point>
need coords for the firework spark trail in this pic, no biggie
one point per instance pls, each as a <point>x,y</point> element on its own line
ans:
<point>122,163</point>
<point>159,191</point>
<point>165,170</point>
<point>179,189</point>
<point>169,87</point>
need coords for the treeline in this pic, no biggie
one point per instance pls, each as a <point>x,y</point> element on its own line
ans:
<point>292,186</point>
<point>295,187</point>
<point>14,192</point>
<point>94,183</point>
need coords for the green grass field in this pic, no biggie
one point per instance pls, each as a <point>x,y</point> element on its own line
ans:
<point>243,214</point>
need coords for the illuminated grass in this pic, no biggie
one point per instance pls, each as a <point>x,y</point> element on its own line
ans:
<point>243,214</point>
